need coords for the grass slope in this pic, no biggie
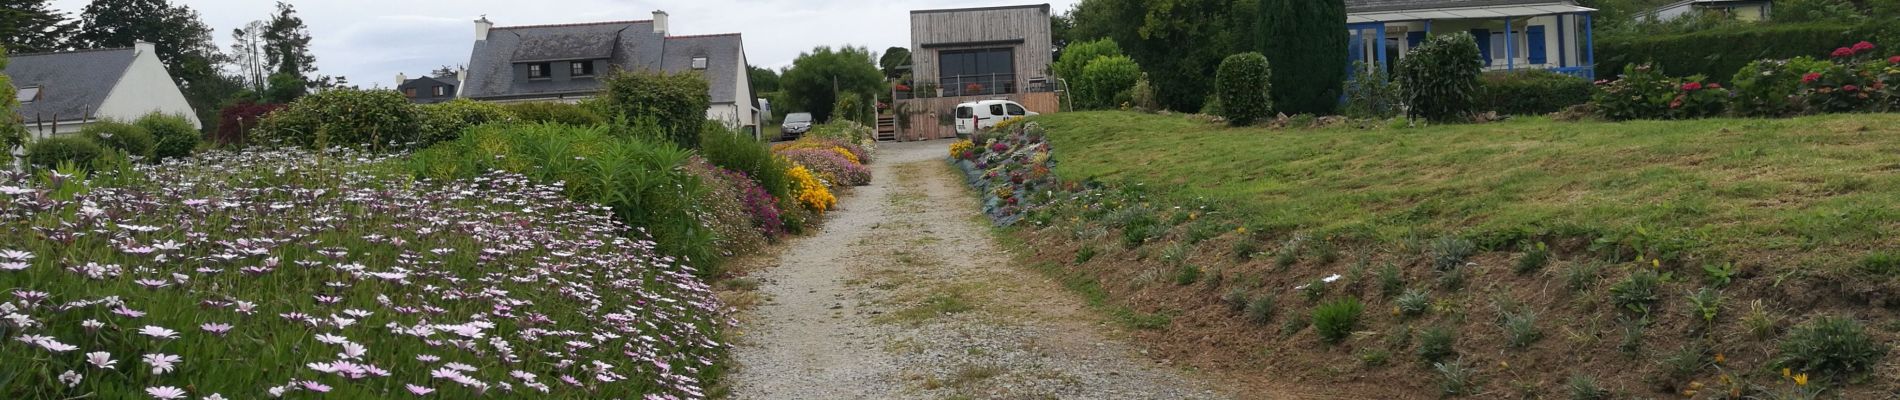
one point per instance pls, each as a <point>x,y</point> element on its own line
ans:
<point>1816,190</point>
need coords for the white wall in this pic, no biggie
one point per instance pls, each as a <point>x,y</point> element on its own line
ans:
<point>146,88</point>
<point>42,131</point>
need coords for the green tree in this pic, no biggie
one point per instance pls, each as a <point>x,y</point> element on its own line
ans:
<point>1179,43</point>
<point>1106,82</point>
<point>12,134</point>
<point>1078,56</point>
<point>287,43</point>
<point>675,102</point>
<point>1245,86</point>
<point>893,61</point>
<point>764,80</point>
<point>1306,41</point>
<point>818,77</point>
<point>247,52</point>
<point>31,26</point>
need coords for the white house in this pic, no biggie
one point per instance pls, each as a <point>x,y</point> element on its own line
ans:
<point>62,92</point>
<point>1512,34</point>
<point>564,62</point>
<point>1741,10</point>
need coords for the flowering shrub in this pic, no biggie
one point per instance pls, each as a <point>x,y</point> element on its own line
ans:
<point>961,150</point>
<point>731,222</point>
<point>857,154</point>
<point>847,132</point>
<point>812,193</point>
<point>1853,82</point>
<point>305,275</point>
<point>1766,88</point>
<point>835,169</point>
<point>758,203</point>
<point>1643,92</point>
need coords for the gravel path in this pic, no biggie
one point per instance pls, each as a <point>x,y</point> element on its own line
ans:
<point>906,296</point>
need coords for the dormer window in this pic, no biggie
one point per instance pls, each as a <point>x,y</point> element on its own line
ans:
<point>580,69</point>
<point>410,93</point>
<point>538,71</point>
<point>27,95</point>
<point>441,91</point>
<point>699,62</point>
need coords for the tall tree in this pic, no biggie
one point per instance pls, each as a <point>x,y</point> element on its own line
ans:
<point>818,78</point>
<point>31,26</point>
<point>247,51</point>
<point>764,80</point>
<point>287,43</point>
<point>1306,44</point>
<point>893,62</point>
<point>1179,43</point>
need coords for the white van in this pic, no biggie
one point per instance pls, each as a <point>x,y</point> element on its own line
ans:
<point>977,116</point>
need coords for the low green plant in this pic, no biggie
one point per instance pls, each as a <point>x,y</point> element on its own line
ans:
<point>1375,357</point>
<point>1521,328</point>
<point>75,150</point>
<point>1245,249</point>
<point>1454,379</point>
<point>1450,252</point>
<point>1832,346</point>
<point>1632,338</point>
<point>1719,275</point>
<point>1314,290</point>
<point>1294,324</point>
<point>1638,292</point>
<point>173,136</point>
<point>1202,230</point>
<point>1285,258</point>
<point>1085,254</point>
<point>1685,362</point>
<point>1371,93</point>
<point>1187,275</point>
<point>1236,298</point>
<point>1581,276</point>
<point>1261,309</point>
<point>1452,279</point>
<point>1705,304</point>
<point>129,139</point>
<point>1584,387</point>
<point>1436,343</point>
<point>1175,254</point>
<point>1759,322</point>
<point>1881,263</point>
<point>1413,303</point>
<point>1536,256</point>
<point>1391,280</point>
<point>445,121</point>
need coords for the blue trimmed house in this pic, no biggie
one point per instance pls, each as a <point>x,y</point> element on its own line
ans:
<point>1511,34</point>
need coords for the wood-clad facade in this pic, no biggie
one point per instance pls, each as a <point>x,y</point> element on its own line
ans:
<point>973,54</point>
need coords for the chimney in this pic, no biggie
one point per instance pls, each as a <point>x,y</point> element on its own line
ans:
<point>481,28</point>
<point>401,78</point>
<point>659,22</point>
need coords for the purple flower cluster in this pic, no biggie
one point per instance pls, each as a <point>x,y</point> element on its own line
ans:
<point>831,166</point>
<point>298,274</point>
<point>757,202</point>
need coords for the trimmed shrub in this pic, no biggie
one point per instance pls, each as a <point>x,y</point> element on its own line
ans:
<point>1107,82</point>
<point>50,152</point>
<point>1371,93</point>
<point>1077,56</point>
<point>1244,85</point>
<point>173,134</point>
<point>238,122</point>
<point>555,113</point>
<point>375,120</point>
<point>126,138</point>
<point>745,155</point>
<point>1143,96</point>
<point>1295,30</point>
<point>644,182</point>
<point>1691,53</point>
<point>1440,78</point>
<point>442,122</point>
<point>1336,320</point>
<point>676,102</point>
<point>1833,346</point>
<point>1531,92</point>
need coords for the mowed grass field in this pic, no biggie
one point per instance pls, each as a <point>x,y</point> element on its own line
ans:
<point>1815,191</point>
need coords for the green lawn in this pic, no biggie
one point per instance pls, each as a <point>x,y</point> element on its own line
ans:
<point>1805,191</point>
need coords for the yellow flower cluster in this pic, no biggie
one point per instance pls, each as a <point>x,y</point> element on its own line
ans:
<point>811,193</point>
<point>1005,124</point>
<point>957,149</point>
<point>847,155</point>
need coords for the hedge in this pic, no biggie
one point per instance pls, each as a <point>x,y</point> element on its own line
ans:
<point>1531,92</point>
<point>1689,54</point>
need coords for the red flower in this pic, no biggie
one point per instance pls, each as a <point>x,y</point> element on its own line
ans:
<point>1894,60</point>
<point>1863,46</point>
<point>1850,88</point>
<point>1691,86</point>
<point>1843,52</point>
<point>1811,77</point>
<point>1676,104</point>
<point>1715,86</point>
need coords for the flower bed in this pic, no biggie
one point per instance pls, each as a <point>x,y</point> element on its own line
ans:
<point>1854,79</point>
<point>293,274</point>
<point>1011,168</point>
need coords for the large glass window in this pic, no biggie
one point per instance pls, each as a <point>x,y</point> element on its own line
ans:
<point>977,72</point>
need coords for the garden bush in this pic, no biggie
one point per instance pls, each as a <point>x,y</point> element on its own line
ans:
<point>129,139</point>
<point>1856,81</point>
<point>1691,53</point>
<point>1767,88</point>
<point>759,204</point>
<point>174,135</point>
<point>1532,92</point>
<point>442,122</point>
<point>376,120</point>
<point>1078,55</point>
<point>731,220</point>
<point>50,152</point>
<point>1144,97</point>
<point>1834,346</point>
<point>861,139</point>
<point>238,122</point>
<point>240,275</point>
<point>1244,85</point>
<point>831,165</point>
<point>1336,320</point>
<point>1440,78</point>
<point>644,181</point>
<point>555,113</point>
<point>811,193</point>
<point>1643,92</point>
<point>1371,93</point>
<point>851,108</point>
<point>1107,82</point>
<point>12,134</point>
<point>676,102</point>
<point>746,155</point>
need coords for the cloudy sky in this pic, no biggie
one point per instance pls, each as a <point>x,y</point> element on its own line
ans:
<point>370,41</point>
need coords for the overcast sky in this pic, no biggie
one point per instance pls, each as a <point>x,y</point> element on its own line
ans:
<point>370,41</point>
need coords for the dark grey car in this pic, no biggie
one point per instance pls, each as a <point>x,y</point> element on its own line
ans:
<point>795,125</point>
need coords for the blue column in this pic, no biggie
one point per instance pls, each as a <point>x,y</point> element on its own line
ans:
<point>1379,46</point>
<point>1589,45</point>
<point>1510,47</point>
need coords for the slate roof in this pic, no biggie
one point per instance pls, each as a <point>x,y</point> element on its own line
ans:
<point>1358,6</point>
<point>627,45</point>
<point>72,84</point>
<point>427,81</point>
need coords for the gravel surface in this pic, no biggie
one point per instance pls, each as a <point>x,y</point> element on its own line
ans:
<point>905,295</point>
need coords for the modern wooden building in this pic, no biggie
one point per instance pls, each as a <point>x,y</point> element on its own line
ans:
<point>971,54</point>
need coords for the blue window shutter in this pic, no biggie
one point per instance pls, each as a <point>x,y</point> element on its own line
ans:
<point>1535,34</point>
<point>1484,44</point>
<point>1412,39</point>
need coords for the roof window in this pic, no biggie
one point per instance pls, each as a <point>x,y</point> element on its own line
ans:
<point>699,62</point>
<point>28,95</point>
